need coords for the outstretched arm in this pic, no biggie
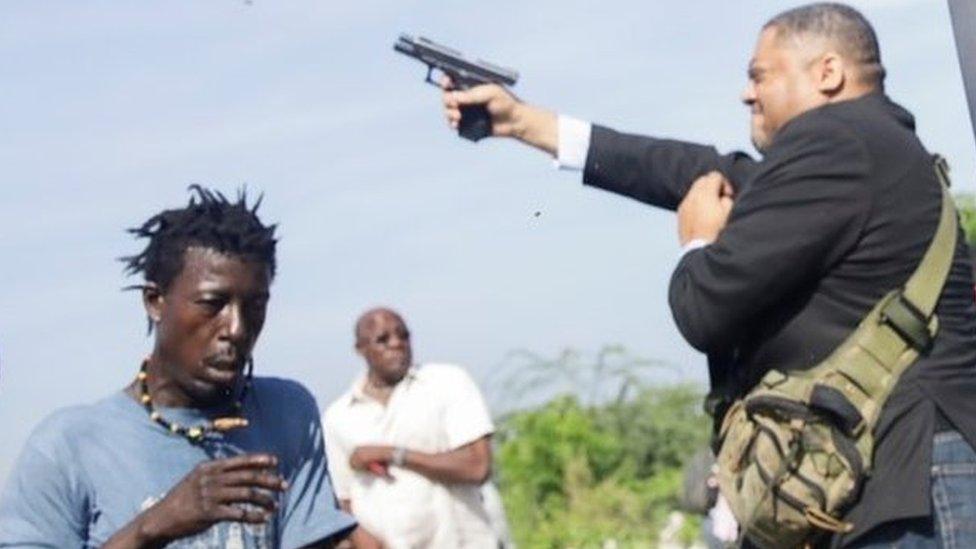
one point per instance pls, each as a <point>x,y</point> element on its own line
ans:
<point>651,170</point>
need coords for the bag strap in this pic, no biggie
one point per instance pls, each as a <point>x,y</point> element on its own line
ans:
<point>910,314</point>
<point>855,380</point>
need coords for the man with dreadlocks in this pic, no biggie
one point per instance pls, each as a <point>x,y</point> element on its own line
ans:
<point>195,452</point>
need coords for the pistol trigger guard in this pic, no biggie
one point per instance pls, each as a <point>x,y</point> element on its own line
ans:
<point>428,79</point>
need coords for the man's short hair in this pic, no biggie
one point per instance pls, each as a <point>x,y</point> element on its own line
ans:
<point>842,26</point>
<point>365,319</point>
<point>210,221</point>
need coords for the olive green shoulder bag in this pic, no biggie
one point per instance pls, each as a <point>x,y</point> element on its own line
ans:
<point>796,449</point>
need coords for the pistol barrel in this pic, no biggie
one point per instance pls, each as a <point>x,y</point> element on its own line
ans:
<point>453,62</point>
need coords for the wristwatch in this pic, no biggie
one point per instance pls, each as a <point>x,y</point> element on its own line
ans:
<point>399,456</point>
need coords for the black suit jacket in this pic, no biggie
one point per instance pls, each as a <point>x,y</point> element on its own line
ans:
<point>838,212</point>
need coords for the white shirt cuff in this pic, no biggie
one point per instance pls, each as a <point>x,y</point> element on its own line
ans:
<point>574,143</point>
<point>693,245</point>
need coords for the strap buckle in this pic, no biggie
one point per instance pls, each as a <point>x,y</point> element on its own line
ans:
<point>908,322</point>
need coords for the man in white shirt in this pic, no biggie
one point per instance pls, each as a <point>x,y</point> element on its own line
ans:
<point>409,446</point>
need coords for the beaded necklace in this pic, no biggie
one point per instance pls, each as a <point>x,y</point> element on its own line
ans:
<point>196,433</point>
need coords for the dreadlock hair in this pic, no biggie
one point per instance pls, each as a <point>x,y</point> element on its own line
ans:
<point>208,221</point>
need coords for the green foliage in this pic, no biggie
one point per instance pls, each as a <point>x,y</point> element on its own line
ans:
<point>574,476</point>
<point>659,429</point>
<point>603,460</point>
<point>966,204</point>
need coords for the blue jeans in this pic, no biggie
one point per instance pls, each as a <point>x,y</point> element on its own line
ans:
<point>953,521</point>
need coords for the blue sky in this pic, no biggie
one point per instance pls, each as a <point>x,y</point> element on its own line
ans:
<point>108,110</point>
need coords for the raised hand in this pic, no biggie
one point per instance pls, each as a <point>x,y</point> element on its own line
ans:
<point>510,117</point>
<point>705,209</point>
<point>240,489</point>
<point>372,459</point>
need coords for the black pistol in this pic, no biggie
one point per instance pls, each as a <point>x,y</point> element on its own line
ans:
<point>464,73</point>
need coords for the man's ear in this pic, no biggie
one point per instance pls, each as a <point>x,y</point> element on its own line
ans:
<point>153,301</point>
<point>831,73</point>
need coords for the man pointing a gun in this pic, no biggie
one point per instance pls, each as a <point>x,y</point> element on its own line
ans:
<point>783,256</point>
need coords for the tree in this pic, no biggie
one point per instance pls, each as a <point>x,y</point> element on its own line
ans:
<point>574,472</point>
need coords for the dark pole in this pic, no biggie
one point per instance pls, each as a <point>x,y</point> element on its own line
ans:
<point>963,13</point>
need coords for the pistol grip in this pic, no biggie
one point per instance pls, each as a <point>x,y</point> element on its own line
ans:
<point>475,122</point>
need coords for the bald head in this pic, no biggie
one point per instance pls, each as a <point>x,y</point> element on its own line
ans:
<point>383,340</point>
<point>371,317</point>
<point>828,26</point>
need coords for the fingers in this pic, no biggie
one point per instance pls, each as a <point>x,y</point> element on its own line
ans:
<point>726,203</point>
<point>254,477</point>
<point>478,95</point>
<point>246,494</point>
<point>452,111</point>
<point>379,469</point>
<point>360,459</point>
<point>453,100</point>
<point>242,513</point>
<point>705,209</point>
<point>710,183</point>
<point>246,461</point>
<point>727,189</point>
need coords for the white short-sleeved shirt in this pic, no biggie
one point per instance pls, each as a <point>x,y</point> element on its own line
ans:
<point>435,408</point>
